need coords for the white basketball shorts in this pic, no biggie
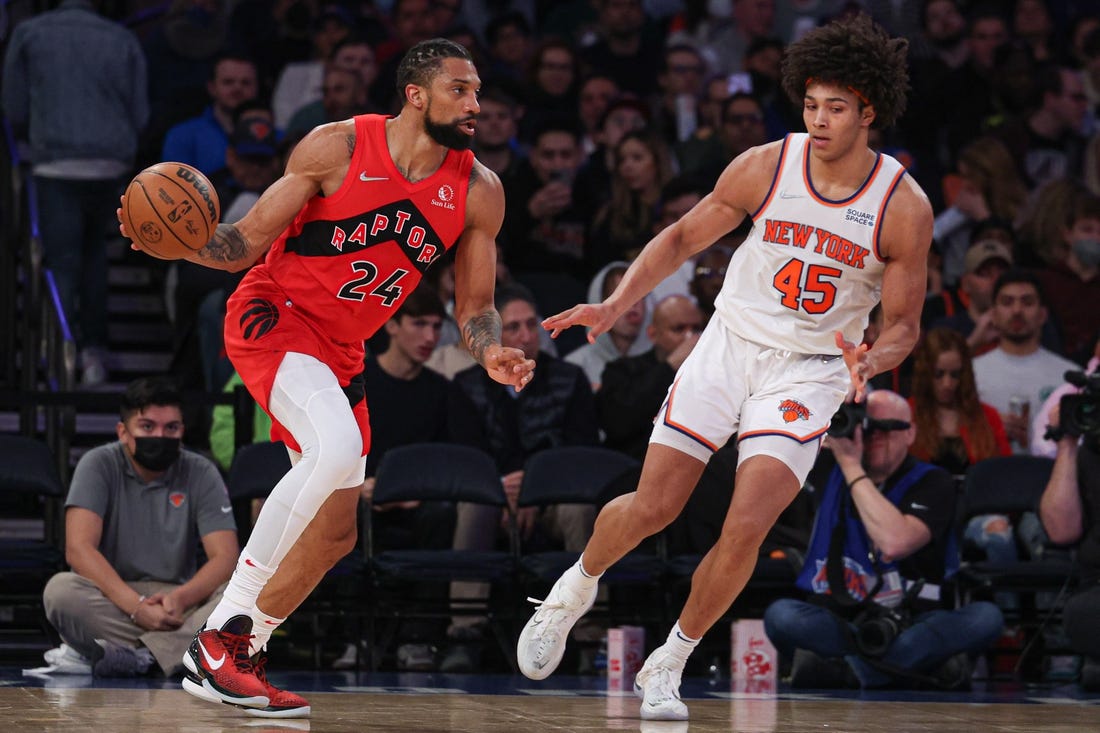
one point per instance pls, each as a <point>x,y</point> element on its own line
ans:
<point>780,403</point>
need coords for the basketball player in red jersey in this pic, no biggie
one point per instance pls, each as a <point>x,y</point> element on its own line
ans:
<point>365,207</point>
<point>836,228</point>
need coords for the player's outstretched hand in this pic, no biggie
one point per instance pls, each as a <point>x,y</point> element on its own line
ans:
<point>859,364</point>
<point>597,316</point>
<point>509,366</point>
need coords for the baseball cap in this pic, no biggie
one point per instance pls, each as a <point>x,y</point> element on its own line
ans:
<point>984,251</point>
<point>254,135</point>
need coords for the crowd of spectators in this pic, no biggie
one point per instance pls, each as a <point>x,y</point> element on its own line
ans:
<point>606,120</point>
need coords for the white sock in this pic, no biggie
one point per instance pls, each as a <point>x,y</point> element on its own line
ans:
<point>679,644</point>
<point>578,581</point>
<point>239,598</point>
<point>584,573</point>
<point>263,626</point>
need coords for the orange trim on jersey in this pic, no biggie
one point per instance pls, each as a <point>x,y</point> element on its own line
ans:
<point>882,213</point>
<point>680,428</point>
<point>783,434</point>
<point>775,178</point>
<point>843,202</point>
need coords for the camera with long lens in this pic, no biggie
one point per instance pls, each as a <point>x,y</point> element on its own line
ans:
<point>1079,414</point>
<point>850,416</point>
<point>877,627</point>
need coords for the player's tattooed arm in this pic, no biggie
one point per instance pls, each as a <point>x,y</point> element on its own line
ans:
<point>225,247</point>
<point>350,139</point>
<point>480,332</point>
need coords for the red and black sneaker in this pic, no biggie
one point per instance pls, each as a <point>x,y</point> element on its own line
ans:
<point>218,667</point>
<point>284,704</point>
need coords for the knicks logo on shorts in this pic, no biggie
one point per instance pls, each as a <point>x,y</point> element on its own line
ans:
<point>259,319</point>
<point>794,410</point>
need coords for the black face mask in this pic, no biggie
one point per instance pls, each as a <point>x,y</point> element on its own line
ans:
<point>156,454</point>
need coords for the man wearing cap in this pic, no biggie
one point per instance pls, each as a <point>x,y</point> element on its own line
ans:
<point>985,261</point>
<point>251,160</point>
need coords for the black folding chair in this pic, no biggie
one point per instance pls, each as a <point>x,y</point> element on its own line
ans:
<point>31,486</point>
<point>1009,485</point>
<point>1012,485</point>
<point>584,475</point>
<point>438,472</point>
<point>255,470</point>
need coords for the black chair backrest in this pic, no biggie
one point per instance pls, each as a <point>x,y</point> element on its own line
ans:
<point>256,468</point>
<point>27,466</point>
<point>1005,485</point>
<point>573,474</point>
<point>438,472</point>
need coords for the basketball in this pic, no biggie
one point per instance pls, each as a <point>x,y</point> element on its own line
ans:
<point>171,210</point>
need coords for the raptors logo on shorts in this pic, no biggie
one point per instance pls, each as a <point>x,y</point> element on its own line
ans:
<point>794,410</point>
<point>259,319</point>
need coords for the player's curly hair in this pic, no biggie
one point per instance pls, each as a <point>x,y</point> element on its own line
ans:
<point>856,53</point>
<point>424,60</point>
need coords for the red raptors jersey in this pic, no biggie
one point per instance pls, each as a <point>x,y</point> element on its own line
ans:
<point>349,260</point>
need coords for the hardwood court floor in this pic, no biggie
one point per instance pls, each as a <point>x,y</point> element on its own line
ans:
<point>435,710</point>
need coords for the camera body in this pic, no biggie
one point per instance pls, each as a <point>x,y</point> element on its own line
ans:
<point>850,416</point>
<point>1079,414</point>
<point>877,627</point>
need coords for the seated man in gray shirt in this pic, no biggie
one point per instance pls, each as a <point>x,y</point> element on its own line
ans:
<point>136,511</point>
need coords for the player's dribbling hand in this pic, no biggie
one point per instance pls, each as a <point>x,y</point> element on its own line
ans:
<point>859,364</point>
<point>597,316</point>
<point>509,366</point>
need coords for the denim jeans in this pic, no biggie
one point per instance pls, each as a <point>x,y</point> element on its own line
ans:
<point>73,220</point>
<point>934,637</point>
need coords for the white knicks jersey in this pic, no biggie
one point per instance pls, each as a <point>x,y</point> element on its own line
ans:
<point>810,266</point>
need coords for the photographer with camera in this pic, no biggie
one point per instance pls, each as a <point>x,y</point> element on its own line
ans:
<point>1070,512</point>
<point>882,543</point>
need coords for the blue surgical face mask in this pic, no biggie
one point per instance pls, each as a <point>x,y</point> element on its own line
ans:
<point>1087,252</point>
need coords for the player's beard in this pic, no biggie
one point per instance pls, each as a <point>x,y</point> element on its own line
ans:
<point>446,134</point>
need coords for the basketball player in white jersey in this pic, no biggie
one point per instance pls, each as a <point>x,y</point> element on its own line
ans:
<point>837,228</point>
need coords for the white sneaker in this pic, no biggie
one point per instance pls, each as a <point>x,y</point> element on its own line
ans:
<point>542,641</point>
<point>66,660</point>
<point>658,684</point>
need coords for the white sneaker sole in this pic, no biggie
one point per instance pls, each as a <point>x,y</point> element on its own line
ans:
<point>648,712</point>
<point>535,673</point>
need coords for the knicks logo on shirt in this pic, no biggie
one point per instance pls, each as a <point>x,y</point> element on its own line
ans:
<point>794,410</point>
<point>176,498</point>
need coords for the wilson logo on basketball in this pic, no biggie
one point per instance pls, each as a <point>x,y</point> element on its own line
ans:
<point>203,190</point>
<point>259,319</point>
<point>794,410</point>
<point>176,498</point>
